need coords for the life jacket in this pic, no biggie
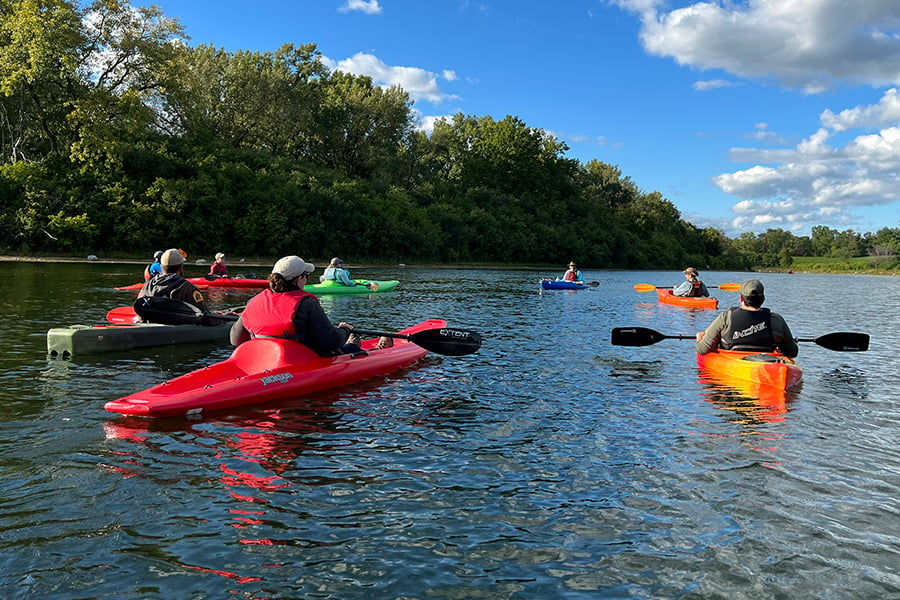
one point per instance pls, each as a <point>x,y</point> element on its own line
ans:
<point>571,275</point>
<point>749,330</point>
<point>271,314</point>
<point>695,289</point>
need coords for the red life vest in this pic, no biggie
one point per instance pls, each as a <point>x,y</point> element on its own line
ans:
<point>271,314</point>
<point>571,275</point>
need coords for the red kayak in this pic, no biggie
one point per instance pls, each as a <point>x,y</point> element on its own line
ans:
<point>220,282</point>
<point>266,369</point>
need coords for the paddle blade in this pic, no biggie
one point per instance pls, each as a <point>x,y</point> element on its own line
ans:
<point>644,287</point>
<point>450,342</point>
<point>728,287</point>
<point>641,336</point>
<point>594,283</point>
<point>842,341</point>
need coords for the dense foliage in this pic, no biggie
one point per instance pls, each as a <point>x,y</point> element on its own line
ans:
<point>118,137</point>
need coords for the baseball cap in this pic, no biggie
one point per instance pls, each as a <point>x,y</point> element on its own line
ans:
<point>752,287</point>
<point>291,267</point>
<point>172,258</point>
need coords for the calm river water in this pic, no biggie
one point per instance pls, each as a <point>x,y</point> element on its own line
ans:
<point>549,465</point>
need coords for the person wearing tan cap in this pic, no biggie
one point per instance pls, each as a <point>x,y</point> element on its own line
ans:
<point>171,283</point>
<point>218,268</point>
<point>573,274</point>
<point>748,327</point>
<point>692,286</point>
<point>287,311</point>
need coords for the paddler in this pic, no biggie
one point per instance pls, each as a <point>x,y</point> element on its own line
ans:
<point>287,311</point>
<point>748,327</point>
<point>338,273</point>
<point>573,274</point>
<point>171,282</point>
<point>692,286</point>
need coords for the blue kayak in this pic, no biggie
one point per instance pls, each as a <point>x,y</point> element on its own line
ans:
<point>552,284</point>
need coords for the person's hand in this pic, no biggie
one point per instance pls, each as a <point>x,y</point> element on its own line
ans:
<point>346,326</point>
<point>369,285</point>
<point>700,335</point>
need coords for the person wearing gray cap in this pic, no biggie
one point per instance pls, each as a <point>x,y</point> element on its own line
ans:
<point>748,327</point>
<point>337,272</point>
<point>287,311</point>
<point>171,283</point>
<point>692,286</point>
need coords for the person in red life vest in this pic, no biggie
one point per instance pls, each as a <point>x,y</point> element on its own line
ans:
<point>748,327</point>
<point>287,311</point>
<point>171,282</point>
<point>692,286</point>
<point>218,268</point>
<point>573,274</point>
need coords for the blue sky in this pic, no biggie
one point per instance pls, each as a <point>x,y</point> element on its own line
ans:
<point>747,115</point>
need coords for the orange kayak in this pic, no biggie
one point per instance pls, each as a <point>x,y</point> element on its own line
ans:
<point>666,297</point>
<point>763,368</point>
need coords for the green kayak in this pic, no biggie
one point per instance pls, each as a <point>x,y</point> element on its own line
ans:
<point>332,287</point>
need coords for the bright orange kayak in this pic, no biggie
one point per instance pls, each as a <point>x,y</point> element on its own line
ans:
<point>666,297</point>
<point>763,368</point>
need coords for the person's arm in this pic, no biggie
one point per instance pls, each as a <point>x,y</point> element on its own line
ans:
<point>708,340</point>
<point>343,277</point>
<point>238,333</point>
<point>704,291</point>
<point>682,289</point>
<point>783,337</point>
<point>323,337</point>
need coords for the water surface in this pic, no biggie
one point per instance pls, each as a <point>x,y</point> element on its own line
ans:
<point>549,465</point>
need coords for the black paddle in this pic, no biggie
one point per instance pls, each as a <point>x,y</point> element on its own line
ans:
<point>451,342</point>
<point>841,341</point>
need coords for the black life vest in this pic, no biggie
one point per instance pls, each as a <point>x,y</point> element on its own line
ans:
<point>749,330</point>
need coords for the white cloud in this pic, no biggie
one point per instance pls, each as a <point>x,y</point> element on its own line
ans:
<point>818,180</point>
<point>426,123</point>
<point>811,45</point>
<point>419,83</point>
<point>711,84</point>
<point>370,7</point>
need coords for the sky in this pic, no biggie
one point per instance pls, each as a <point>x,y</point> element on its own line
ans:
<point>747,115</point>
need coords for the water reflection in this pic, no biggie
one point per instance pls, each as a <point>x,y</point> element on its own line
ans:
<point>752,403</point>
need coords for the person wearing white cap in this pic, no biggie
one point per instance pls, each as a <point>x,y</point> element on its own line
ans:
<point>218,268</point>
<point>748,327</point>
<point>171,283</point>
<point>692,286</point>
<point>287,311</point>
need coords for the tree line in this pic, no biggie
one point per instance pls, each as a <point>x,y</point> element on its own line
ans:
<point>119,137</point>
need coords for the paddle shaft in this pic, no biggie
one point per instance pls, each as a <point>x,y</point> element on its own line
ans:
<point>840,341</point>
